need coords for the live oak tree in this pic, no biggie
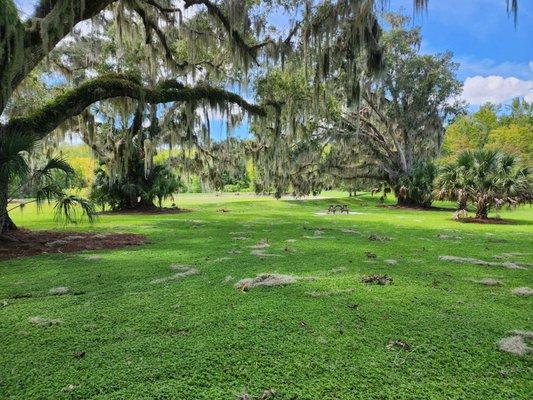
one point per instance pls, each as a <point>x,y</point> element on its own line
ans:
<point>25,44</point>
<point>390,133</point>
<point>126,135</point>
<point>403,116</point>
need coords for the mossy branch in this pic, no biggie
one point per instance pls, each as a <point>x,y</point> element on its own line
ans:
<point>236,37</point>
<point>74,101</point>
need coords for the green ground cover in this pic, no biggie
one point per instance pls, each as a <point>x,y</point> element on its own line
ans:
<point>125,333</point>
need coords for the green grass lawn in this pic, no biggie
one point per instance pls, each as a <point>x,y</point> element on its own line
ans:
<point>200,338</point>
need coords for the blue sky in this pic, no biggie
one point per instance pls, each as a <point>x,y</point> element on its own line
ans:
<point>496,58</point>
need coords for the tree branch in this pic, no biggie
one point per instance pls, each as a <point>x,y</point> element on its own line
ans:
<point>162,8</point>
<point>213,9</point>
<point>74,101</point>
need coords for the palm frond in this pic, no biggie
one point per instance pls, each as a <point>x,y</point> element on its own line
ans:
<point>72,209</point>
<point>54,164</point>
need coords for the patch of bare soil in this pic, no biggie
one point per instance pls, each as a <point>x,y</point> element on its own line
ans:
<point>523,291</point>
<point>475,261</point>
<point>376,238</point>
<point>517,343</point>
<point>377,279</point>
<point>58,291</point>
<point>488,282</point>
<point>268,280</point>
<point>40,321</point>
<point>473,220</point>
<point>24,243</point>
<point>183,271</point>
<point>398,344</point>
<point>147,210</point>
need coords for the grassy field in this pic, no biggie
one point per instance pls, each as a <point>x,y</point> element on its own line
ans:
<point>122,336</point>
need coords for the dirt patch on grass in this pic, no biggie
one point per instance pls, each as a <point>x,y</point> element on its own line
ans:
<point>374,237</point>
<point>377,279</point>
<point>58,291</point>
<point>184,270</point>
<point>517,343</point>
<point>24,243</point>
<point>398,344</point>
<point>488,282</point>
<point>147,210</point>
<point>262,244</point>
<point>473,220</point>
<point>347,230</point>
<point>523,291</point>
<point>40,321</point>
<point>444,236</point>
<point>475,261</point>
<point>261,253</point>
<point>269,280</point>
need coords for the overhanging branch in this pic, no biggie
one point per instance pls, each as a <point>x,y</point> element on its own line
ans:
<point>73,102</point>
<point>213,9</point>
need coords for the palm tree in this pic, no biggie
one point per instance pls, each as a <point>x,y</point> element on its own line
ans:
<point>42,181</point>
<point>450,184</point>
<point>487,178</point>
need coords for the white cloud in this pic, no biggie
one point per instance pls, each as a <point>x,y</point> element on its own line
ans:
<point>478,90</point>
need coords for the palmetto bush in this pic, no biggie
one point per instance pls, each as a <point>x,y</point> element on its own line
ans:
<point>486,178</point>
<point>136,189</point>
<point>45,180</point>
<point>416,188</point>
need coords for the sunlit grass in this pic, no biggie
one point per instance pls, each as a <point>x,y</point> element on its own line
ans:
<point>199,338</point>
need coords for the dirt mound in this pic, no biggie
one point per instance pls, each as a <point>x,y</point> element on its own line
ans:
<point>265,280</point>
<point>261,253</point>
<point>488,282</point>
<point>516,344</point>
<point>374,237</point>
<point>24,243</point>
<point>40,321</point>
<point>58,291</point>
<point>475,261</point>
<point>523,291</point>
<point>377,279</point>
<point>262,244</point>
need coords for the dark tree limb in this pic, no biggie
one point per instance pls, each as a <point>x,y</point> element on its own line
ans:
<point>76,100</point>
